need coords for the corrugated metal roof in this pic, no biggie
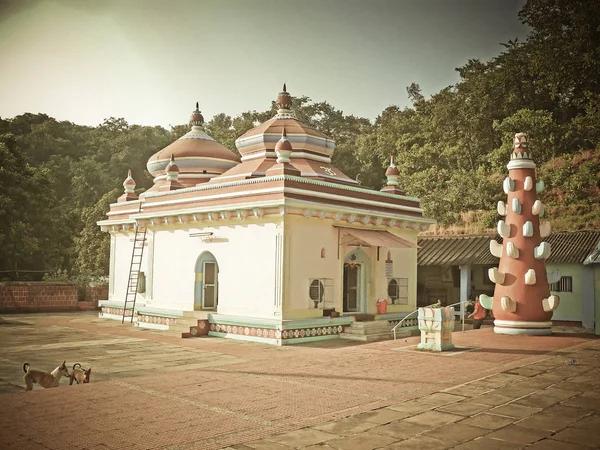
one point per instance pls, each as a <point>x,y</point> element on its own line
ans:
<point>572,247</point>
<point>565,247</point>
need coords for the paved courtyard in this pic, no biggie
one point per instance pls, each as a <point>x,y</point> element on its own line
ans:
<point>154,391</point>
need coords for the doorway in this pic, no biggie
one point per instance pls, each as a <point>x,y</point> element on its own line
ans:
<point>351,287</point>
<point>355,283</point>
<point>206,286</point>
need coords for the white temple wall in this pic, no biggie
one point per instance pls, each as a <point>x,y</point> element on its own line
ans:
<point>244,253</point>
<point>120,261</point>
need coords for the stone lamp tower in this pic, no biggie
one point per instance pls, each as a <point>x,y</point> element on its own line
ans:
<point>522,303</point>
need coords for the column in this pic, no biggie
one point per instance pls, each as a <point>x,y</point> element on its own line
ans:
<point>465,286</point>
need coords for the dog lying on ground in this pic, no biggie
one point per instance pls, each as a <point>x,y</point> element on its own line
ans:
<point>44,379</point>
<point>79,374</point>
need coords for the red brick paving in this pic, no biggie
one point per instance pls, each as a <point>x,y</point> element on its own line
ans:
<point>273,390</point>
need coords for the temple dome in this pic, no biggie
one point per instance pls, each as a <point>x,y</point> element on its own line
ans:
<point>303,138</point>
<point>199,157</point>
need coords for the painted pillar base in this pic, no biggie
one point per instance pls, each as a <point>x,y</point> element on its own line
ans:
<point>436,326</point>
<point>522,328</point>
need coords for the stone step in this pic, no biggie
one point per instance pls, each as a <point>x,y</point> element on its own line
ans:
<point>187,322</point>
<point>197,314</point>
<point>170,332</point>
<point>179,329</point>
<point>363,331</point>
<point>374,337</point>
<point>374,325</point>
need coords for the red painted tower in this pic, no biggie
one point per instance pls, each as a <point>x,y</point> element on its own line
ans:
<point>522,303</point>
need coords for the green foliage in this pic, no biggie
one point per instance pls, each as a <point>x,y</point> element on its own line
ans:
<point>26,224</point>
<point>92,245</point>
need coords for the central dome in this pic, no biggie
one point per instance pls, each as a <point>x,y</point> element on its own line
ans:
<point>199,157</point>
<point>303,137</point>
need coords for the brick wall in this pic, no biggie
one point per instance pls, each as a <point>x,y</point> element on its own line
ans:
<point>16,296</point>
<point>96,292</point>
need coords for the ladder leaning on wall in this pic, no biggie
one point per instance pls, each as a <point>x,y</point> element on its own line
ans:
<point>134,270</point>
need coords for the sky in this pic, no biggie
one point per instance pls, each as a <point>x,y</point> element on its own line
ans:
<point>149,61</point>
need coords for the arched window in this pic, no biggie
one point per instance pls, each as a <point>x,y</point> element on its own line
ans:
<point>323,252</point>
<point>316,291</point>
<point>393,290</point>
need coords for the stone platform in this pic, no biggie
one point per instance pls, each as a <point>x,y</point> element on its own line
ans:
<point>154,391</point>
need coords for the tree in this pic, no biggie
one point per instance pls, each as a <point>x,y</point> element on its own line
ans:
<point>93,245</point>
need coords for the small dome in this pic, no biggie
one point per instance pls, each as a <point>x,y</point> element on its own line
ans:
<point>392,170</point>
<point>199,156</point>
<point>172,167</point>
<point>129,181</point>
<point>283,143</point>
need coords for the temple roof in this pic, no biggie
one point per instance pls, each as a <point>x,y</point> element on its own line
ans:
<point>199,156</point>
<point>311,150</point>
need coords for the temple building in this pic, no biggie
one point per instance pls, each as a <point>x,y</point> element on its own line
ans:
<point>277,246</point>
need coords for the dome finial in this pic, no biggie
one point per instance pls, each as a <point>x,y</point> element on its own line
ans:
<point>283,148</point>
<point>197,119</point>
<point>129,183</point>
<point>284,104</point>
<point>392,173</point>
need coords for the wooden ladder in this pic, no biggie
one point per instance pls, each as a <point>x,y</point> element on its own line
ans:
<point>134,270</point>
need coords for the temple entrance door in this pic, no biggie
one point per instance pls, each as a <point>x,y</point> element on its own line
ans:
<point>351,287</point>
<point>209,297</point>
<point>206,286</point>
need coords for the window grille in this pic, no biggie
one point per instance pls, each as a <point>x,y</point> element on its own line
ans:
<point>398,291</point>
<point>320,293</point>
<point>565,284</point>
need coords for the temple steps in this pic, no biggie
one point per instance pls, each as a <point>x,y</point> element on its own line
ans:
<point>377,330</point>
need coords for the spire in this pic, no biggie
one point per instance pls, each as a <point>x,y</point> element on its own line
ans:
<point>283,148</point>
<point>284,104</point>
<point>197,119</point>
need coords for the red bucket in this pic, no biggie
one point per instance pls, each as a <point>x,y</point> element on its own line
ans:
<point>382,307</point>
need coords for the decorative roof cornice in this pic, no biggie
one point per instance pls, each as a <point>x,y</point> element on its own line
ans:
<point>295,178</point>
<point>259,210</point>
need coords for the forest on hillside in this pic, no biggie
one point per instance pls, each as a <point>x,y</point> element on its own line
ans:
<point>58,178</point>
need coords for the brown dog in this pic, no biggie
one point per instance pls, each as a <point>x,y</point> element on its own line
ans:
<point>80,375</point>
<point>44,379</point>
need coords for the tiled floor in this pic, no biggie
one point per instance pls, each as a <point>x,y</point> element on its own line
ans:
<point>154,391</point>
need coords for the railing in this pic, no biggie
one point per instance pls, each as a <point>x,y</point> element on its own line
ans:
<point>437,303</point>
